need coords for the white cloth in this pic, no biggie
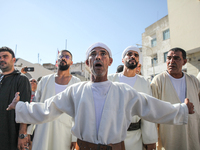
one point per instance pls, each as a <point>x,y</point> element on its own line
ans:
<point>100,91</point>
<point>56,134</point>
<point>59,88</point>
<point>184,137</point>
<point>198,76</point>
<point>98,44</point>
<point>148,132</point>
<point>128,80</point>
<point>121,104</point>
<point>180,86</point>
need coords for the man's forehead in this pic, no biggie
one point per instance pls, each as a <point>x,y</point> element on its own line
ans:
<point>99,49</point>
<point>5,53</point>
<point>132,51</point>
<point>65,53</point>
<point>172,53</point>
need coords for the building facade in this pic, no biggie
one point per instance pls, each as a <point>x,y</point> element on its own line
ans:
<point>184,21</point>
<point>155,45</point>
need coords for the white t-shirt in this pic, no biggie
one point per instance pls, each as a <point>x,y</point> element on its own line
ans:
<point>59,88</point>
<point>100,91</point>
<point>128,80</point>
<point>180,86</point>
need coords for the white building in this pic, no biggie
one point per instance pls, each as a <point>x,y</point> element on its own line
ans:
<point>155,44</point>
<point>38,72</point>
<point>184,22</point>
<point>79,70</point>
<point>178,29</point>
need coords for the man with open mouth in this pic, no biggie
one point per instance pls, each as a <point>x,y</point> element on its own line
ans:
<point>101,109</point>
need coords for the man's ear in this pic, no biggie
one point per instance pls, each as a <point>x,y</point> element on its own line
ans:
<point>122,60</point>
<point>14,60</point>
<point>184,61</point>
<point>87,63</point>
<point>111,60</point>
<point>71,62</point>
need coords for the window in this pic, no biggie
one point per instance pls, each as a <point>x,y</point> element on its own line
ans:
<point>165,56</point>
<point>154,61</point>
<point>153,42</point>
<point>166,34</point>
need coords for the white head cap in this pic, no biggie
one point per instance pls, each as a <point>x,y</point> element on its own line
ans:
<point>98,44</point>
<point>132,48</point>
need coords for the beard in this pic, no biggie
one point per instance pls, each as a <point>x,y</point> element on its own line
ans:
<point>131,65</point>
<point>63,67</point>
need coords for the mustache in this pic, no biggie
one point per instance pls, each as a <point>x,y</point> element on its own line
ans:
<point>173,65</point>
<point>63,61</point>
<point>131,59</point>
<point>2,62</point>
<point>97,61</point>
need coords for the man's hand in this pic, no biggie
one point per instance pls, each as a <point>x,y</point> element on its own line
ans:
<point>73,146</point>
<point>14,102</point>
<point>190,106</point>
<point>23,143</point>
<point>23,71</point>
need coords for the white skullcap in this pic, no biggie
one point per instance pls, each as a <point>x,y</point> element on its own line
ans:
<point>98,44</point>
<point>132,48</point>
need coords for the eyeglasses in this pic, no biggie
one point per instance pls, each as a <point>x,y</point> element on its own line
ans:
<point>65,56</point>
<point>132,54</point>
<point>176,58</point>
<point>33,81</point>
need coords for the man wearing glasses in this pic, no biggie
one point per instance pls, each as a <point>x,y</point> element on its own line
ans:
<point>55,134</point>
<point>174,86</point>
<point>12,135</point>
<point>140,131</point>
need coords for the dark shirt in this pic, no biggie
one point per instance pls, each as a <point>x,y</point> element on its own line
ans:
<point>9,129</point>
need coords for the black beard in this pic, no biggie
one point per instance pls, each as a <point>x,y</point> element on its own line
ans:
<point>63,67</point>
<point>131,66</point>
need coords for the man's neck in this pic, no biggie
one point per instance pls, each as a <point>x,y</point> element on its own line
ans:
<point>63,77</point>
<point>8,72</point>
<point>176,75</point>
<point>63,73</point>
<point>98,79</point>
<point>129,72</point>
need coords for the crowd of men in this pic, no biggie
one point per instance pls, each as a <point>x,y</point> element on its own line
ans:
<point>111,112</point>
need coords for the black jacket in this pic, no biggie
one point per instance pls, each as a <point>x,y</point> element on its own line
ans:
<point>9,129</point>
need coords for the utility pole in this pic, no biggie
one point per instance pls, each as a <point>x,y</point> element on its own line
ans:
<point>66,44</point>
<point>15,50</point>
<point>38,58</point>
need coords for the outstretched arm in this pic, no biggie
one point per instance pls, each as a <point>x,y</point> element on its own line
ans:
<point>157,111</point>
<point>36,113</point>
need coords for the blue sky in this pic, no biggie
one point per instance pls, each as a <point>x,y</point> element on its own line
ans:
<point>43,26</point>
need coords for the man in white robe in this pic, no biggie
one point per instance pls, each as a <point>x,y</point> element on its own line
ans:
<point>102,110</point>
<point>174,86</point>
<point>55,134</point>
<point>140,131</point>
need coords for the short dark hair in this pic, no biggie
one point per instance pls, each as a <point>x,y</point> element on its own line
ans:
<point>66,51</point>
<point>7,49</point>
<point>120,68</point>
<point>176,49</point>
